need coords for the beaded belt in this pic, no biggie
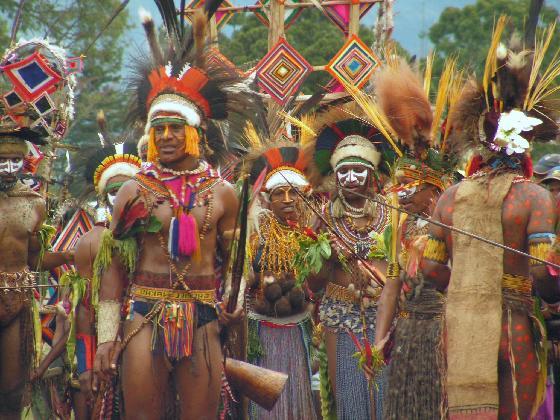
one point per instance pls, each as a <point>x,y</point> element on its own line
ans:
<point>23,278</point>
<point>517,290</point>
<point>343,294</point>
<point>153,293</point>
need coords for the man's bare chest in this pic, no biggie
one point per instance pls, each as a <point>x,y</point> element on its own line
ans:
<point>17,216</point>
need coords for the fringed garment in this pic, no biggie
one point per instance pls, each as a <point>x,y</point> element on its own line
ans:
<point>416,374</point>
<point>174,314</point>
<point>284,345</point>
<point>353,392</point>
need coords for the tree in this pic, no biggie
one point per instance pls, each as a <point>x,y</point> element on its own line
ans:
<point>465,33</point>
<point>74,25</point>
<point>312,35</point>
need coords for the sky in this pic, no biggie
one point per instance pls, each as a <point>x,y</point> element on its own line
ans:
<point>412,18</point>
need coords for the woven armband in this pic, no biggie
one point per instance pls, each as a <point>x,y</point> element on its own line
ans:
<point>436,250</point>
<point>108,320</point>
<point>85,352</point>
<point>393,270</point>
<point>539,250</point>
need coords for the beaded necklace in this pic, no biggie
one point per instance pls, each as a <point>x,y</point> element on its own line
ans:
<point>279,244</point>
<point>359,238</point>
<point>202,167</point>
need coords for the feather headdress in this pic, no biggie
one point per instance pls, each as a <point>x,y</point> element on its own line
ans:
<point>500,116</point>
<point>343,136</point>
<point>112,159</point>
<point>405,104</point>
<point>177,81</point>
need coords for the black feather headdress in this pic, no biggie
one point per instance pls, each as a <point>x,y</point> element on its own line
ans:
<point>179,80</point>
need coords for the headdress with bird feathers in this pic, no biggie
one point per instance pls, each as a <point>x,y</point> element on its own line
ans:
<point>513,105</point>
<point>342,136</point>
<point>402,100</point>
<point>112,159</point>
<point>178,83</point>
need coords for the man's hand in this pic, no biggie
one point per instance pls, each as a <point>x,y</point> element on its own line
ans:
<point>226,319</point>
<point>105,364</point>
<point>86,382</point>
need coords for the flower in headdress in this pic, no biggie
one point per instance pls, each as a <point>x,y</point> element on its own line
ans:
<point>510,126</point>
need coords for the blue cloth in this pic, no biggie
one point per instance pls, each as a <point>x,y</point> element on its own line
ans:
<point>352,389</point>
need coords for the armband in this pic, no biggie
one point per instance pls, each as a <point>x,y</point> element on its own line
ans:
<point>108,321</point>
<point>393,270</point>
<point>85,352</point>
<point>436,250</point>
<point>539,250</point>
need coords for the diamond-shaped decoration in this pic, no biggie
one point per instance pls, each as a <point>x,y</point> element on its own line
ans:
<point>282,71</point>
<point>339,14</point>
<point>290,14</point>
<point>222,17</point>
<point>31,77</point>
<point>354,63</point>
<point>216,57</point>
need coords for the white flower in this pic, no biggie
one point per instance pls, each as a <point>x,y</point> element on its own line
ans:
<point>510,126</point>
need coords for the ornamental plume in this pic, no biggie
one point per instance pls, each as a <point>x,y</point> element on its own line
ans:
<point>405,103</point>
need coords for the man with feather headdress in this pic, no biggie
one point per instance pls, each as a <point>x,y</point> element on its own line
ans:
<point>177,212</point>
<point>355,154</point>
<point>107,169</point>
<point>279,321</point>
<point>495,355</point>
<point>417,366</point>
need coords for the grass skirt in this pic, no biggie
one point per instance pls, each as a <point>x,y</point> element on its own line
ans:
<point>416,374</point>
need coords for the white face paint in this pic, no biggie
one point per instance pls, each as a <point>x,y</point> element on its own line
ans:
<point>10,166</point>
<point>407,192</point>
<point>348,175</point>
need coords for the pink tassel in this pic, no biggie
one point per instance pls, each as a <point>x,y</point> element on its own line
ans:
<point>188,235</point>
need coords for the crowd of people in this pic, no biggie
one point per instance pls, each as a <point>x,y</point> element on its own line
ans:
<point>389,254</point>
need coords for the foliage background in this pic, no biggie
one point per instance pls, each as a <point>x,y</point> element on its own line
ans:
<point>462,32</point>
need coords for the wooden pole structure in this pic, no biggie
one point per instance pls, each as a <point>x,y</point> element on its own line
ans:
<point>354,23</point>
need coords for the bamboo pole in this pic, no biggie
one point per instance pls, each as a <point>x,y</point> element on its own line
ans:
<point>354,23</point>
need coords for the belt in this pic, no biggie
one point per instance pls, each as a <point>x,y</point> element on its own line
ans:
<point>171,295</point>
<point>343,294</point>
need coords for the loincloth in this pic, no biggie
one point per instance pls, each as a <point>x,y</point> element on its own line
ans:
<point>174,315</point>
<point>13,301</point>
<point>340,310</point>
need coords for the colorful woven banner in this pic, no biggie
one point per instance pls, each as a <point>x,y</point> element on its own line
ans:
<point>222,17</point>
<point>281,72</point>
<point>216,57</point>
<point>339,14</point>
<point>354,63</point>
<point>77,226</point>
<point>290,14</point>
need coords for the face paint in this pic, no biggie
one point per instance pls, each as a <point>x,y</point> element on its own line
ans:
<point>347,176</point>
<point>284,194</point>
<point>10,166</point>
<point>406,192</point>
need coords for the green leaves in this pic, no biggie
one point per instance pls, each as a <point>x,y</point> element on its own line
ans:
<point>311,256</point>
<point>381,249</point>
